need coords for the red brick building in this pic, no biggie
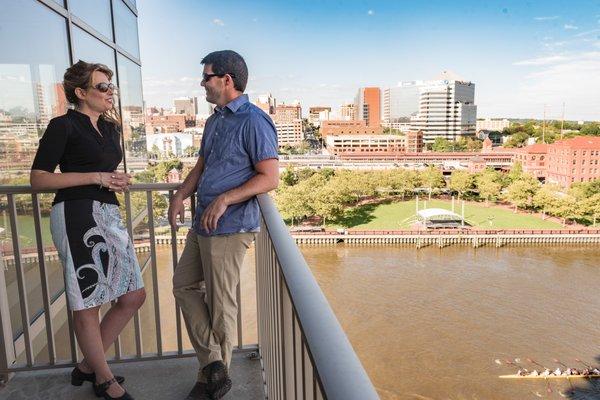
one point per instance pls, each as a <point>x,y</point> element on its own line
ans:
<point>574,160</point>
<point>533,159</point>
<point>340,127</point>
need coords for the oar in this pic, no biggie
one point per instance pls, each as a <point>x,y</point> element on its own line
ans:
<point>548,389</point>
<point>560,363</point>
<point>579,361</point>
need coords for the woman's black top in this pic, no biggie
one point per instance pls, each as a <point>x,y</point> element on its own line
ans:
<point>72,143</point>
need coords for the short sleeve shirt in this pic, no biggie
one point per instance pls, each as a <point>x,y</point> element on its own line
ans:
<point>73,144</point>
<point>236,137</point>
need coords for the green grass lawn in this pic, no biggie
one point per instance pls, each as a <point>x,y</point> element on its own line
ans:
<point>26,228</point>
<point>399,215</point>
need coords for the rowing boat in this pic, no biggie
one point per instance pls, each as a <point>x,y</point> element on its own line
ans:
<point>515,376</point>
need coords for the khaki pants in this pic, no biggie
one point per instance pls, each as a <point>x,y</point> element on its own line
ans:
<point>204,284</point>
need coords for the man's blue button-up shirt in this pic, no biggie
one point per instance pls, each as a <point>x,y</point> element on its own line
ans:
<point>236,137</point>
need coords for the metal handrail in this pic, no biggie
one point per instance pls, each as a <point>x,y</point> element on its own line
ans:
<point>340,372</point>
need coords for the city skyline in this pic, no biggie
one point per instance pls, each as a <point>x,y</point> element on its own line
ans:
<point>521,57</point>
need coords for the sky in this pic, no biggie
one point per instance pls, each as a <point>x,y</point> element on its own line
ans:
<point>523,56</point>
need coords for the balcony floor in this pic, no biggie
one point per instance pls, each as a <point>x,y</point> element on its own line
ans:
<point>148,380</point>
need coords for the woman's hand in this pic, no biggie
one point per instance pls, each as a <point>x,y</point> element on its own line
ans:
<point>115,181</point>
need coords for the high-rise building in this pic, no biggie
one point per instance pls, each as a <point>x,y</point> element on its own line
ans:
<point>46,37</point>
<point>490,124</point>
<point>186,105</point>
<point>287,113</point>
<point>446,109</point>
<point>289,133</point>
<point>368,105</point>
<point>401,102</point>
<point>318,114</point>
<point>348,112</point>
<point>267,103</point>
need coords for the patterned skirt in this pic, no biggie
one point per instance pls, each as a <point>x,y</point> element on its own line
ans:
<point>96,251</point>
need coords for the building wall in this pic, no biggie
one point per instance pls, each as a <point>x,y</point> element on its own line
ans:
<point>574,160</point>
<point>401,101</point>
<point>447,110</point>
<point>40,44</point>
<point>368,105</point>
<point>337,127</point>
<point>166,123</point>
<point>489,124</point>
<point>365,144</point>
<point>289,133</point>
<point>287,114</point>
<point>534,159</point>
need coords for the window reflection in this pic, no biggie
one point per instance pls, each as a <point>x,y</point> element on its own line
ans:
<point>90,49</point>
<point>126,30</point>
<point>95,13</point>
<point>32,62</point>
<point>132,111</point>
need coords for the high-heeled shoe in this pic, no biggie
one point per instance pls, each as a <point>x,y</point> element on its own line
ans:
<point>78,377</point>
<point>103,387</point>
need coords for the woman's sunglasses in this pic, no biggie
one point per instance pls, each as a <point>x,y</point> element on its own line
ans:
<point>105,87</point>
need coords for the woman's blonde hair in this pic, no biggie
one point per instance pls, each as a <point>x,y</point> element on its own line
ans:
<point>79,75</point>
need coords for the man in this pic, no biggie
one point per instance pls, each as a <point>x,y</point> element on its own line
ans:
<point>237,160</point>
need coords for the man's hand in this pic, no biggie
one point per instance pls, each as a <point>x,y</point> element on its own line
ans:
<point>176,208</point>
<point>213,212</point>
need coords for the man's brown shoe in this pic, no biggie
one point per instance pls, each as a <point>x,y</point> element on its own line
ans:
<point>218,380</point>
<point>198,392</point>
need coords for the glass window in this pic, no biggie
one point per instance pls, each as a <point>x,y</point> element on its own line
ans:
<point>95,13</point>
<point>89,49</point>
<point>126,30</point>
<point>32,63</point>
<point>33,59</point>
<point>132,110</point>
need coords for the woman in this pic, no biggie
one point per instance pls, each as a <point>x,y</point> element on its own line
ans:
<point>96,252</point>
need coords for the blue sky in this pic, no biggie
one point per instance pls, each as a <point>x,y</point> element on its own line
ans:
<point>521,55</point>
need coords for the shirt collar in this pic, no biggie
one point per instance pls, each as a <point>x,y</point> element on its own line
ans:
<point>235,104</point>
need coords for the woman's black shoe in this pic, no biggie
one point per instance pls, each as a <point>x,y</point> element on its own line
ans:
<point>103,387</point>
<point>78,377</point>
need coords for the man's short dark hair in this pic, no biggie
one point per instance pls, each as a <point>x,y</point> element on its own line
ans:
<point>229,62</point>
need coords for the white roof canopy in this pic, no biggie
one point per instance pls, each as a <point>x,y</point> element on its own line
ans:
<point>438,213</point>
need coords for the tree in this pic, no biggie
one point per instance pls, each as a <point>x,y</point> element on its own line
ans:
<point>441,144</point>
<point>488,184</point>
<point>288,176</point>
<point>461,181</point>
<point>520,193</point>
<point>566,209</point>
<point>518,139</point>
<point>547,199</point>
<point>591,207</point>
<point>293,202</point>
<point>432,178</point>
<point>161,170</point>
<point>516,172</point>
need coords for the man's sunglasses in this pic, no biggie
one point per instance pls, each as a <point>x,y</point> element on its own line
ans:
<point>105,87</point>
<point>206,77</point>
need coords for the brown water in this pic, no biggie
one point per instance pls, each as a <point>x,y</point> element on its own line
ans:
<point>430,323</point>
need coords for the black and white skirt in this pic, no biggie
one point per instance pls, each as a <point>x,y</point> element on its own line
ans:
<point>96,252</point>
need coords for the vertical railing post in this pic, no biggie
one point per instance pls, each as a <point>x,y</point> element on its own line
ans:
<point>7,349</point>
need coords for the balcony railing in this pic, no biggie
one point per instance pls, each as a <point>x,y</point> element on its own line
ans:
<point>304,352</point>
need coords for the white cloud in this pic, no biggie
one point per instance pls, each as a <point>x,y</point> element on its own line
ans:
<point>218,22</point>
<point>542,60</point>
<point>587,33</point>
<point>571,27</point>
<point>370,12</point>
<point>571,78</point>
<point>546,18</point>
